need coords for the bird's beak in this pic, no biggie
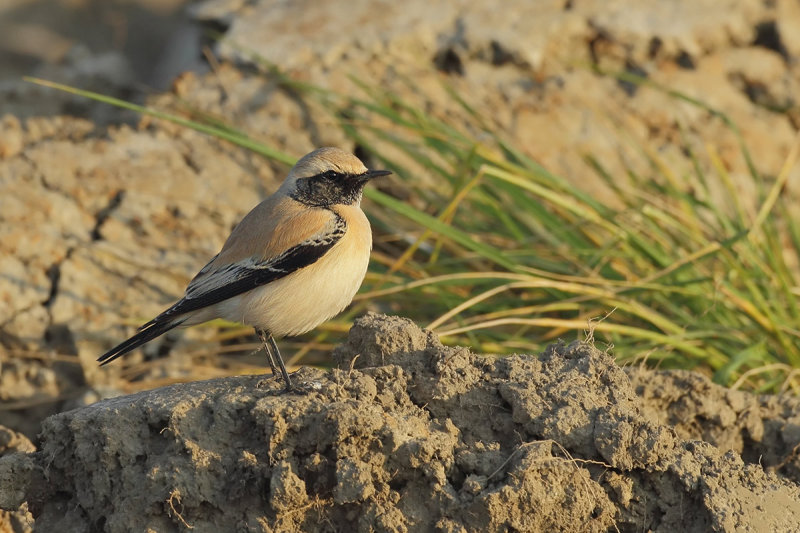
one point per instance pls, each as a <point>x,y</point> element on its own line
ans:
<point>376,173</point>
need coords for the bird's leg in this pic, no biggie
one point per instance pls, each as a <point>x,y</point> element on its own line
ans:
<point>265,339</point>
<point>277,354</point>
<point>274,355</point>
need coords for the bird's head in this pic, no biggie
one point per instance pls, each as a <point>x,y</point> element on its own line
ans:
<point>329,176</point>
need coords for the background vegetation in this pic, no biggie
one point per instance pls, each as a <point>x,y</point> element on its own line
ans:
<point>492,251</point>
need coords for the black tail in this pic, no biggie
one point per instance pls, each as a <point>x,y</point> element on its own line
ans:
<point>148,332</point>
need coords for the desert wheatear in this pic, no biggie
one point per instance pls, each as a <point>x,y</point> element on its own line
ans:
<point>296,260</point>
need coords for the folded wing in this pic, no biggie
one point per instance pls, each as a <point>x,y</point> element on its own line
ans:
<point>221,279</point>
<point>248,274</point>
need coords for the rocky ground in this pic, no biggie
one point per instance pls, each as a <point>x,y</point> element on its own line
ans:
<point>104,218</point>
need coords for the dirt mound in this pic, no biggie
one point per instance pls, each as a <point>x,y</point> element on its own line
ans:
<point>408,435</point>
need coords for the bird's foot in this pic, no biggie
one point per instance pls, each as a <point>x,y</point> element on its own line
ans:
<point>271,381</point>
<point>301,388</point>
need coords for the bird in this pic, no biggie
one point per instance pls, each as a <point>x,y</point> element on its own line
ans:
<point>293,262</point>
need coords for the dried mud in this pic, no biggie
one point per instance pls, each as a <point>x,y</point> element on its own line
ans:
<point>410,435</point>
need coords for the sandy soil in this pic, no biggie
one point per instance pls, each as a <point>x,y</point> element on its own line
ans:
<point>410,435</point>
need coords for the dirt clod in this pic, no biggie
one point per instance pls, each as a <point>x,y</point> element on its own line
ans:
<point>408,435</point>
